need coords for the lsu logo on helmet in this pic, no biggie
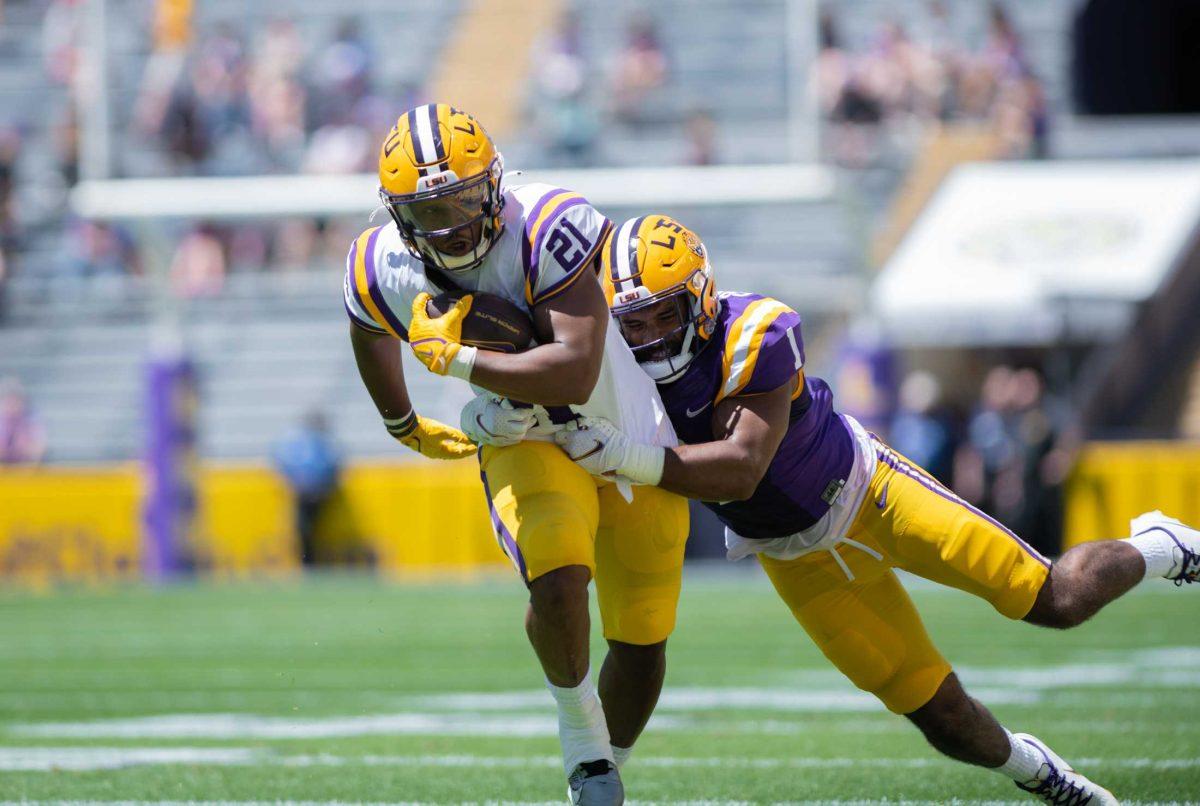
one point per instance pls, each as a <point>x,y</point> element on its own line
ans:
<point>439,178</point>
<point>647,261</point>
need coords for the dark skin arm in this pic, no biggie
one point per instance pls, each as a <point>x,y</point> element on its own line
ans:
<point>378,359</point>
<point>730,469</point>
<point>563,369</point>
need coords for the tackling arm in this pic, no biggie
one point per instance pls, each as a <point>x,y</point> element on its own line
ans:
<point>730,469</point>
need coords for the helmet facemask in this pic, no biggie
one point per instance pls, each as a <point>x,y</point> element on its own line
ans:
<point>667,357</point>
<point>451,224</point>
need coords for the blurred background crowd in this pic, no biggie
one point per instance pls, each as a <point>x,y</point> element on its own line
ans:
<point>898,93</point>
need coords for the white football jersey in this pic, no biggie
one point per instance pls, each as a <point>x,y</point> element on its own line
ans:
<point>549,242</point>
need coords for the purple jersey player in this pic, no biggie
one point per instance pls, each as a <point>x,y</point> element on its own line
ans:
<point>830,510</point>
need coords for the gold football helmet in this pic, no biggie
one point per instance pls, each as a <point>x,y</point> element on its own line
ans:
<point>439,177</point>
<point>648,260</point>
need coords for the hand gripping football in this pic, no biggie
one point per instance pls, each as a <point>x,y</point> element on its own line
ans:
<point>493,323</point>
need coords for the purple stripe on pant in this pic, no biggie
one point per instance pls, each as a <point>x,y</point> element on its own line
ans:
<point>508,543</point>
<point>892,460</point>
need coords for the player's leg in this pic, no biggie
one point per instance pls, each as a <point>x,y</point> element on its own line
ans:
<point>926,529</point>
<point>545,511</point>
<point>1092,574</point>
<point>869,628</point>
<point>639,567</point>
<point>933,533</point>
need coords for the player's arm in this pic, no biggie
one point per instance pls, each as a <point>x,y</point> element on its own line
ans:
<point>730,469</point>
<point>726,469</point>
<point>559,372</point>
<point>564,368</point>
<point>378,359</point>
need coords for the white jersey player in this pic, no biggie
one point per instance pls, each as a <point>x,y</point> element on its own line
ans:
<point>536,246</point>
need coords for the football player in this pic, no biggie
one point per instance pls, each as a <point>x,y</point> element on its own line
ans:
<point>830,510</point>
<point>454,226</point>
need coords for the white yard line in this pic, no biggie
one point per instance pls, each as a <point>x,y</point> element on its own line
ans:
<point>111,758</point>
<point>99,758</point>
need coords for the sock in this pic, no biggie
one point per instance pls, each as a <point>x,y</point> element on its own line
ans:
<point>621,755</point>
<point>581,726</point>
<point>1157,550</point>
<point>1024,761</point>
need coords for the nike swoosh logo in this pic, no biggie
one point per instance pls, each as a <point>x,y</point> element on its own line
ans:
<point>691,413</point>
<point>596,449</point>
<point>881,502</point>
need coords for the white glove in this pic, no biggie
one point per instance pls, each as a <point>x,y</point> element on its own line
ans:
<point>489,420</point>
<point>598,447</point>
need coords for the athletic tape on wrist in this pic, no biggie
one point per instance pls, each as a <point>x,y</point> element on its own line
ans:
<point>463,362</point>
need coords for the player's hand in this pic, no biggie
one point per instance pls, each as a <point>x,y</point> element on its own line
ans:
<point>437,440</point>
<point>436,341</point>
<point>490,420</point>
<point>600,448</point>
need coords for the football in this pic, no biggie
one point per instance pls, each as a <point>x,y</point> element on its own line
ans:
<point>493,323</point>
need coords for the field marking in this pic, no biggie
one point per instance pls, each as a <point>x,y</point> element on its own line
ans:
<point>76,759</point>
<point>111,758</point>
<point>495,722</point>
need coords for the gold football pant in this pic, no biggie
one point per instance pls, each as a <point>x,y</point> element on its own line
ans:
<point>549,513</point>
<point>867,626</point>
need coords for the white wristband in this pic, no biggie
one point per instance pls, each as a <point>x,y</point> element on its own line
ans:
<point>463,362</point>
<point>643,464</point>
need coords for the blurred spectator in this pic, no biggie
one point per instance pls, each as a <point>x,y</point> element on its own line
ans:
<point>340,147</point>
<point>989,448</point>
<point>342,73</point>
<point>566,116</point>
<point>22,439</point>
<point>1046,445</point>
<point>198,267</point>
<point>295,244</point>
<point>10,150</point>
<point>61,40</point>
<point>701,133</point>
<point>881,96</point>
<point>919,430</point>
<point>172,32</point>
<point>641,68</point>
<point>309,462</point>
<point>97,250</point>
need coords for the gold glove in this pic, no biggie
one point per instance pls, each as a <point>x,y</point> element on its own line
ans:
<point>436,341</point>
<point>430,438</point>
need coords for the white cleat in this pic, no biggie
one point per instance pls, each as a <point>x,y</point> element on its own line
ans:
<point>595,783</point>
<point>1057,783</point>
<point>1186,552</point>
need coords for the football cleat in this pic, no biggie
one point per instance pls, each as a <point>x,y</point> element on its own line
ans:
<point>1056,782</point>
<point>1186,553</point>
<point>595,783</point>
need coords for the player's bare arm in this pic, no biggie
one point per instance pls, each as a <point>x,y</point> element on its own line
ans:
<point>378,360</point>
<point>562,370</point>
<point>730,469</point>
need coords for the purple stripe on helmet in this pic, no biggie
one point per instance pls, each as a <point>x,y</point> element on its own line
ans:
<point>504,538</point>
<point>418,155</point>
<point>373,287</point>
<point>634,270</point>
<point>892,460</point>
<point>614,272</point>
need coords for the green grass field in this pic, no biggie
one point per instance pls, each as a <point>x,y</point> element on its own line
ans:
<point>349,689</point>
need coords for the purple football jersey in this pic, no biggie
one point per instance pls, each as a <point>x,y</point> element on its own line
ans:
<point>817,453</point>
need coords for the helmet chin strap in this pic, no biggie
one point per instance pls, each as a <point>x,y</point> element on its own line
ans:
<point>667,370</point>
